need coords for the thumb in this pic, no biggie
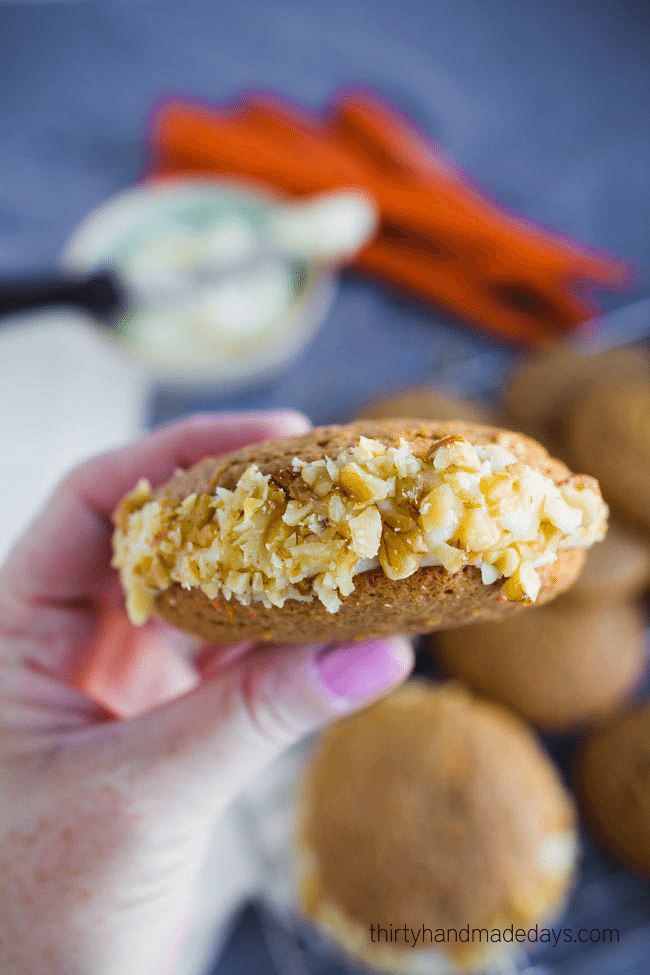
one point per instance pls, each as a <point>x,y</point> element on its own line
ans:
<point>197,751</point>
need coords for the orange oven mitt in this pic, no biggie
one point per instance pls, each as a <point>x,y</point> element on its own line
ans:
<point>440,239</point>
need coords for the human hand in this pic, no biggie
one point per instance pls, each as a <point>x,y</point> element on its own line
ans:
<point>117,750</point>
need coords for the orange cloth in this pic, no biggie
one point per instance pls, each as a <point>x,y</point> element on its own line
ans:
<point>440,238</point>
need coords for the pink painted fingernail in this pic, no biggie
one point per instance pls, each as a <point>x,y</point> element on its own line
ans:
<point>355,672</point>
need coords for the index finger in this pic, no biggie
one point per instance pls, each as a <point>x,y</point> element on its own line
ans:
<point>65,554</point>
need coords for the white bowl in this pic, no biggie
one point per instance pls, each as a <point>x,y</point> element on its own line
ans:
<point>108,235</point>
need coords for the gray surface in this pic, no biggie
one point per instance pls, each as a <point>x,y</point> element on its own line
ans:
<point>545,104</point>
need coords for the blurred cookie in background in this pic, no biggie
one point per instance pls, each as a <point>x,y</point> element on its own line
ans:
<point>615,570</point>
<point>609,435</point>
<point>425,402</point>
<point>433,808</point>
<point>540,394</point>
<point>613,786</point>
<point>559,666</point>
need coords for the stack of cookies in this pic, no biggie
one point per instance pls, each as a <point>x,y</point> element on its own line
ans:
<point>595,411</point>
<point>581,659</point>
<point>576,662</point>
<point>436,809</point>
<point>578,658</point>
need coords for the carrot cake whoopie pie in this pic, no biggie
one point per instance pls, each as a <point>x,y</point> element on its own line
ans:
<point>401,847</point>
<point>541,394</point>
<point>367,529</point>
<point>615,571</point>
<point>561,666</point>
<point>426,402</point>
<point>609,433</point>
<point>613,785</point>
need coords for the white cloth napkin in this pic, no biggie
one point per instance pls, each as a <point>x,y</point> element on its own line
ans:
<point>65,395</point>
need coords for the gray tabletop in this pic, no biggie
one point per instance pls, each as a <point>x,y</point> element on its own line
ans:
<point>544,103</point>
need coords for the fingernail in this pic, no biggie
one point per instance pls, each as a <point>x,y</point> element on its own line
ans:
<point>360,671</point>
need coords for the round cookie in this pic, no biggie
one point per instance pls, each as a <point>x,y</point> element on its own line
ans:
<point>539,394</point>
<point>615,570</point>
<point>559,666</point>
<point>426,402</point>
<point>432,809</point>
<point>342,558</point>
<point>613,786</point>
<point>610,436</point>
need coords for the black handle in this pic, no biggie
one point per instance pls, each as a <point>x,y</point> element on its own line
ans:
<point>100,294</point>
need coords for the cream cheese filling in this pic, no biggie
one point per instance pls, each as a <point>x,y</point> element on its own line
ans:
<point>370,507</point>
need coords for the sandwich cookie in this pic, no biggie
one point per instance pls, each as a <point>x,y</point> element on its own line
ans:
<point>613,785</point>
<point>560,666</point>
<point>367,529</point>
<point>432,812</point>
<point>541,393</point>
<point>426,402</point>
<point>610,436</point>
<point>616,570</point>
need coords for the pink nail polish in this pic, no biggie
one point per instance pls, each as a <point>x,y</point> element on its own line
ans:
<point>360,671</point>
